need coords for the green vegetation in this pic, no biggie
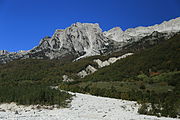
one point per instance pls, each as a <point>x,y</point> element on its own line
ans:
<point>41,71</point>
<point>151,77</point>
<point>27,82</point>
<point>161,93</point>
<point>29,94</point>
<point>161,58</point>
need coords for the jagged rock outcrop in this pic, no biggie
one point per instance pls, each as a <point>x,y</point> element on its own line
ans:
<point>89,70</point>
<point>87,39</point>
<point>82,74</point>
<point>67,79</point>
<point>101,63</point>
<point>110,60</point>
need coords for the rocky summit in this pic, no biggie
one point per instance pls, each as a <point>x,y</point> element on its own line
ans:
<point>87,39</point>
<point>78,40</point>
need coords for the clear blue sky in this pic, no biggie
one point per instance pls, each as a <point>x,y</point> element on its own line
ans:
<point>24,22</point>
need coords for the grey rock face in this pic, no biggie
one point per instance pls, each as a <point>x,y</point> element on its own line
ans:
<point>89,70</point>
<point>80,39</point>
<point>67,79</point>
<point>138,33</point>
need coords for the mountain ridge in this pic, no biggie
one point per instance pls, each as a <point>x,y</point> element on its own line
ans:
<point>88,39</point>
<point>118,34</point>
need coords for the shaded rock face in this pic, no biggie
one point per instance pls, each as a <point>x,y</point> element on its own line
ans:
<point>147,42</point>
<point>10,56</point>
<point>3,52</point>
<point>86,39</point>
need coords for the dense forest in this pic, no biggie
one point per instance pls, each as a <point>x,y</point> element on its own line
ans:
<point>30,94</point>
<point>151,77</point>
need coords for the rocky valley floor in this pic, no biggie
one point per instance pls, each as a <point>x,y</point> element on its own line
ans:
<point>83,107</point>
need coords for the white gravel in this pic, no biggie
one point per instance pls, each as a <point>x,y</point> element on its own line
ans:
<point>83,107</point>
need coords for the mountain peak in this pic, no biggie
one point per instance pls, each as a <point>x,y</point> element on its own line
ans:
<point>140,32</point>
<point>114,33</point>
<point>85,24</point>
<point>80,39</point>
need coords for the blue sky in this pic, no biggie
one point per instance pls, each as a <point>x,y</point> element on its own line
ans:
<point>24,22</point>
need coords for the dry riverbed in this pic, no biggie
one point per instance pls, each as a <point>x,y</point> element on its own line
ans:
<point>83,107</point>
